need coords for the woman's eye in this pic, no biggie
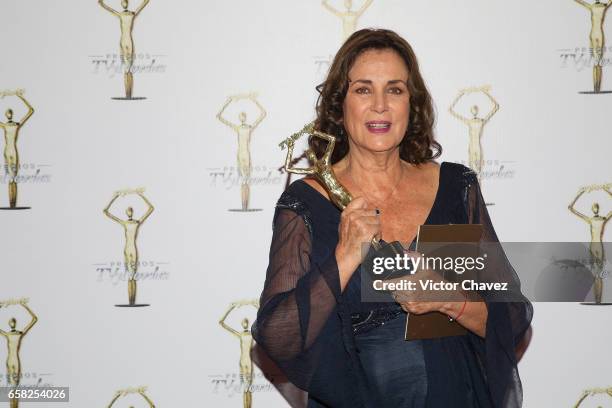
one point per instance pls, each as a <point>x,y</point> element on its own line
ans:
<point>396,91</point>
<point>362,90</point>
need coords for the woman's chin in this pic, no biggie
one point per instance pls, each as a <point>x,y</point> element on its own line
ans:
<point>381,147</point>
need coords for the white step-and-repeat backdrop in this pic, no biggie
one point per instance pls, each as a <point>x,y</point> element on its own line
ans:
<point>165,165</point>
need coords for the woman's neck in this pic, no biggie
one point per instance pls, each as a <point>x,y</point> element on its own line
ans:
<point>375,173</point>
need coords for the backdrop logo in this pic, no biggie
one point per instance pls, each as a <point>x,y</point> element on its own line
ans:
<point>143,63</point>
<point>131,227</point>
<point>597,12</point>
<point>126,42</point>
<point>495,169</point>
<point>231,384</point>
<point>581,58</point>
<point>118,271</point>
<point>246,344</point>
<point>597,224</point>
<point>230,177</point>
<point>26,173</point>
<point>243,130</point>
<point>14,337</point>
<point>29,379</point>
<point>348,16</point>
<point>139,391</point>
<point>11,130</point>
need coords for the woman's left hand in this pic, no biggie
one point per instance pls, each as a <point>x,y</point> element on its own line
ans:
<point>419,300</point>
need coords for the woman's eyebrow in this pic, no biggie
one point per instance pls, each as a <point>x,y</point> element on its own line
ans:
<point>369,82</point>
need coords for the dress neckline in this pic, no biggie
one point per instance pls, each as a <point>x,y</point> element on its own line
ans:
<point>434,205</point>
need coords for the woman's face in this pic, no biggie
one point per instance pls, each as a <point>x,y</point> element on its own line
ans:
<point>377,104</point>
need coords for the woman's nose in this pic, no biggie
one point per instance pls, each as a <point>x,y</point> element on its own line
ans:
<point>379,102</point>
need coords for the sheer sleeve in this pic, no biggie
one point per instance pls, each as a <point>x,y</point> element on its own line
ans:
<point>508,317</point>
<point>298,297</point>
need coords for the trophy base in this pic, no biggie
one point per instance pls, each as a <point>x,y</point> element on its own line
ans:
<point>15,208</point>
<point>594,93</point>
<point>134,305</point>
<point>245,210</point>
<point>125,98</point>
<point>596,304</point>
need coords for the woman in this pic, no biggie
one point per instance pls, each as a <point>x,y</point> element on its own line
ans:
<point>346,353</point>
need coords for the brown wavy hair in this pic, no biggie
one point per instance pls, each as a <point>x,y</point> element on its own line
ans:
<point>418,144</point>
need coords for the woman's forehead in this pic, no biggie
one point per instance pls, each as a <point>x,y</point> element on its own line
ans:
<point>375,65</point>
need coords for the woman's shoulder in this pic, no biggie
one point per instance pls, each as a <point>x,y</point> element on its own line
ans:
<point>302,196</point>
<point>457,174</point>
<point>305,200</point>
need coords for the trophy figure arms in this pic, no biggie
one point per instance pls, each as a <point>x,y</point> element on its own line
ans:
<point>19,94</point>
<point>576,212</point>
<point>2,332</point>
<point>325,4</point>
<point>606,188</point>
<point>330,146</point>
<point>149,210</point>
<point>363,8</point>
<point>584,393</point>
<point>220,114</point>
<point>115,398</point>
<point>262,111</point>
<point>583,3</point>
<point>142,5</point>
<point>288,162</point>
<point>32,321</point>
<point>495,108</point>
<point>454,104</point>
<point>27,104</point>
<point>592,392</point>
<point>231,308</point>
<point>108,8</point>
<point>111,215</point>
<point>143,395</point>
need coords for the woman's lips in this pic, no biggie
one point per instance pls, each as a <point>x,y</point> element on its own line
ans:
<point>378,126</point>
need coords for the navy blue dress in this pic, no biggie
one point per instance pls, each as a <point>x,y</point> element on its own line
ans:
<point>306,325</point>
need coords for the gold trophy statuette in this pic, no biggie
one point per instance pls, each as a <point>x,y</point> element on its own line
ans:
<point>323,172</point>
<point>593,392</point>
<point>246,343</point>
<point>13,340</point>
<point>139,390</point>
<point>596,38</point>
<point>131,227</point>
<point>321,168</point>
<point>243,131</point>
<point>348,16</point>
<point>126,43</point>
<point>11,155</point>
<point>597,225</point>
<point>475,124</point>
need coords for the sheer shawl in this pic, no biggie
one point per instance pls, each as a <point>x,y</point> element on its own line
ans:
<point>304,328</point>
<point>509,316</point>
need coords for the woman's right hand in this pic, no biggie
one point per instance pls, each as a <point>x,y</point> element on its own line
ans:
<point>358,225</point>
